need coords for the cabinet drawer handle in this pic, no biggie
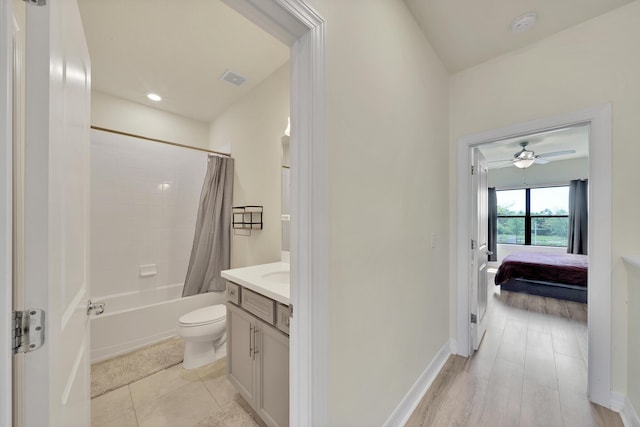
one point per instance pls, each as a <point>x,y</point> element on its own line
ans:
<point>250,341</point>
<point>255,345</point>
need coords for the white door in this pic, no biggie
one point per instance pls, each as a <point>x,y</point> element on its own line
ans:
<point>56,257</point>
<point>480,251</point>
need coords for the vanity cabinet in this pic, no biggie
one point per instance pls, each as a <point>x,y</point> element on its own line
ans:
<point>258,364</point>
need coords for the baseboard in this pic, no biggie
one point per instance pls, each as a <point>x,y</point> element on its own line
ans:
<point>617,401</point>
<point>629,415</point>
<point>453,346</point>
<point>403,411</point>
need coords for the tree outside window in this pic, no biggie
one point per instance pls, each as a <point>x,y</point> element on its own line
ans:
<point>533,216</point>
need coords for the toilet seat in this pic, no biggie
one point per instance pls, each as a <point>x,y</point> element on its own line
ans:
<point>204,316</point>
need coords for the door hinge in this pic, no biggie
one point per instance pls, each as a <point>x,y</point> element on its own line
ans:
<point>473,244</point>
<point>37,2</point>
<point>473,170</point>
<point>28,330</point>
<point>474,318</point>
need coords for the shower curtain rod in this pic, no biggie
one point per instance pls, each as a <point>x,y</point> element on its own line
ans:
<point>211,152</point>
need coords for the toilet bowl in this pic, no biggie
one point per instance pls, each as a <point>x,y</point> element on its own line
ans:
<point>205,333</point>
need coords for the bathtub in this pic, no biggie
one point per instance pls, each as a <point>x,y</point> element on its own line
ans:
<point>136,319</point>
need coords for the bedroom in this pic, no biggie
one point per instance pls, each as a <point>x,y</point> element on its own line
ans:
<point>530,209</point>
<point>532,219</point>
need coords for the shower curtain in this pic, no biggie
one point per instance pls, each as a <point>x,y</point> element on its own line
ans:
<point>211,243</point>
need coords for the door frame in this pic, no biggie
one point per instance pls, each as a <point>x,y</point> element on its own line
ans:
<point>6,205</point>
<point>599,298</point>
<point>296,24</point>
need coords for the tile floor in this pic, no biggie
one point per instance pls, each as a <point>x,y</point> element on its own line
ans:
<point>530,370</point>
<point>176,397</point>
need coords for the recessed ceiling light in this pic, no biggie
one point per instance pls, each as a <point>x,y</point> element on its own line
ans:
<point>154,97</point>
<point>524,22</point>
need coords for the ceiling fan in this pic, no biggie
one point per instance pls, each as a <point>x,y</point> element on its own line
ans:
<point>525,158</point>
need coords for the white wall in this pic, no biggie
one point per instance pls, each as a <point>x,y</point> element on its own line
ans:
<point>118,114</point>
<point>633,387</point>
<point>555,172</point>
<point>252,129</point>
<point>135,219</point>
<point>387,135</point>
<point>591,64</point>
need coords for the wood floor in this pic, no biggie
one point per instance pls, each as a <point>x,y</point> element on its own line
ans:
<point>530,370</point>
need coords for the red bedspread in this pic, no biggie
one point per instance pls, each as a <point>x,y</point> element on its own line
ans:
<point>569,269</point>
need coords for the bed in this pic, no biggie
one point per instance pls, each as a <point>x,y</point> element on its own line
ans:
<point>562,276</point>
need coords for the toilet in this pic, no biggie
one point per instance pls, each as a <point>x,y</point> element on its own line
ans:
<point>205,333</point>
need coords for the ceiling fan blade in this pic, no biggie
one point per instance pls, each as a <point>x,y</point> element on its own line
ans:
<point>539,161</point>
<point>499,161</point>
<point>556,153</point>
<point>506,165</point>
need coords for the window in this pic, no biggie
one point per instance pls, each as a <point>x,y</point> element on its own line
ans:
<point>533,216</point>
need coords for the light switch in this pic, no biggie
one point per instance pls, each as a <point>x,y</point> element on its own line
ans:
<point>434,240</point>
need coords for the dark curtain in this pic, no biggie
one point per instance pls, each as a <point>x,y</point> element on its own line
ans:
<point>211,251</point>
<point>578,216</point>
<point>493,224</point>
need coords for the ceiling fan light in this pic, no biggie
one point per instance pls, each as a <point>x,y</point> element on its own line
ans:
<point>526,155</point>
<point>524,163</point>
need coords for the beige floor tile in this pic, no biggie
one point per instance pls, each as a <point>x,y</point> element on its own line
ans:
<point>572,374</point>
<point>567,344</point>
<point>539,344</point>
<point>161,383</point>
<point>539,322</point>
<point>507,375</point>
<point>459,408</point>
<point>109,405</point>
<point>221,390</point>
<point>480,365</point>
<point>126,418</point>
<point>500,407</point>
<point>540,407</point>
<point>577,410</point>
<point>213,370</point>
<point>491,341</point>
<point>182,407</point>
<point>515,332</point>
<point>232,415</point>
<point>540,370</point>
<point>508,397</point>
<point>512,352</point>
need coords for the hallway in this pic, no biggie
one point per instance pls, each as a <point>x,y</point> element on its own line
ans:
<point>530,370</point>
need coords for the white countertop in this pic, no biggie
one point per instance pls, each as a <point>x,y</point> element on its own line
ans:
<point>270,280</point>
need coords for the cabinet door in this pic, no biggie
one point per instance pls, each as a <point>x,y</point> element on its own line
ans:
<point>273,375</point>
<point>240,364</point>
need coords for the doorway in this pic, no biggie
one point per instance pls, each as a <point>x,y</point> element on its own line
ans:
<point>599,298</point>
<point>301,28</point>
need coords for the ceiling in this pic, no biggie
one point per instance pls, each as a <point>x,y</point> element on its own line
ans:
<point>499,154</point>
<point>465,33</point>
<point>177,49</point>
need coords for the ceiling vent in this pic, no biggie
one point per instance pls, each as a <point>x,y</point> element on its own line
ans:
<point>233,78</point>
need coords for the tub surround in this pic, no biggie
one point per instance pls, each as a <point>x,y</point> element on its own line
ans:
<point>270,280</point>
